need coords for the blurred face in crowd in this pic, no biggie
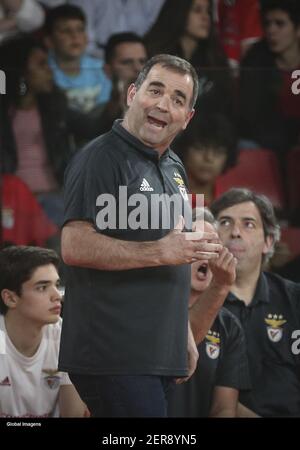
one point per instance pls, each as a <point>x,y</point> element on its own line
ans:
<point>39,301</point>
<point>127,62</point>
<point>38,75</point>
<point>201,274</point>
<point>198,21</point>
<point>68,39</point>
<point>205,164</point>
<point>160,108</point>
<point>240,229</point>
<point>281,33</point>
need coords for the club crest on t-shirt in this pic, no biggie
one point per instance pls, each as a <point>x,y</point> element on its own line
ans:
<point>181,186</point>
<point>52,379</point>
<point>213,344</point>
<point>274,326</point>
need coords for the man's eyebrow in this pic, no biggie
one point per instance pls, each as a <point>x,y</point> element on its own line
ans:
<point>225,217</point>
<point>249,218</point>
<point>180,94</point>
<point>162,85</point>
<point>43,282</point>
<point>157,84</point>
<point>243,218</point>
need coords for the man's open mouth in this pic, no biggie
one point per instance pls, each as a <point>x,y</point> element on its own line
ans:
<point>157,122</point>
<point>202,271</point>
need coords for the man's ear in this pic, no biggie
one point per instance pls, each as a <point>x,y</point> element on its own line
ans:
<point>9,298</point>
<point>131,93</point>
<point>188,118</point>
<point>269,242</point>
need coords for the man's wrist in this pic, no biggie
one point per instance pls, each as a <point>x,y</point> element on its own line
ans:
<point>159,251</point>
<point>220,288</point>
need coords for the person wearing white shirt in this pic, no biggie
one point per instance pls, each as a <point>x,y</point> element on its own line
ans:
<point>30,326</point>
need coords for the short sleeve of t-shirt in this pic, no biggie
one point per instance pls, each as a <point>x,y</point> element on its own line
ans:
<point>92,173</point>
<point>233,368</point>
<point>64,379</point>
<point>53,334</point>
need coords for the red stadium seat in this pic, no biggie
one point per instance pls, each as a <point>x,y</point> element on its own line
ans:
<point>293,179</point>
<point>291,237</point>
<point>259,171</point>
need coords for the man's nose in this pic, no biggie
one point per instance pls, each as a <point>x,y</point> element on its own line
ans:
<point>271,29</point>
<point>235,231</point>
<point>56,294</point>
<point>163,103</point>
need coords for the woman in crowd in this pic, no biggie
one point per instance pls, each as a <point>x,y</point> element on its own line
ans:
<point>190,33</point>
<point>38,128</point>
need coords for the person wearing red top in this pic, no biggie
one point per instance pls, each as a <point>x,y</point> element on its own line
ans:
<point>239,26</point>
<point>23,220</point>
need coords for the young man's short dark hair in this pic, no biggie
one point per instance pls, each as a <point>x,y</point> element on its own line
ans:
<point>209,131</point>
<point>291,7</point>
<point>117,39</point>
<point>17,264</point>
<point>62,12</point>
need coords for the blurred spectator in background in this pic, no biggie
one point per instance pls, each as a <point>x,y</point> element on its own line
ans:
<point>23,220</point>
<point>125,55</point>
<point>190,34</point>
<point>17,16</point>
<point>107,17</point>
<point>79,75</point>
<point>239,25</point>
<point>38,128</point>
<point>207,148</point>
<point>269,111</point>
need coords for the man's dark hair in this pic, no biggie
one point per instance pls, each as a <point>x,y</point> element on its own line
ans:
<point>291,7</point>
<point>235,196</point>
<point>17,264</point>
<point>175,64</point>
<point>117,39</point>
<point>209,131</point>
<point>62,12</point>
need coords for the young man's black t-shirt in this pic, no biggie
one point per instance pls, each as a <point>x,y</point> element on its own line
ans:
<point>222,362</point>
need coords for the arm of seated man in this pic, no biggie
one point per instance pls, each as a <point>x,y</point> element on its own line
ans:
<point>243,411</point>
<point>204,311</point>
<point>224,402</point>
<point>70,404</point>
